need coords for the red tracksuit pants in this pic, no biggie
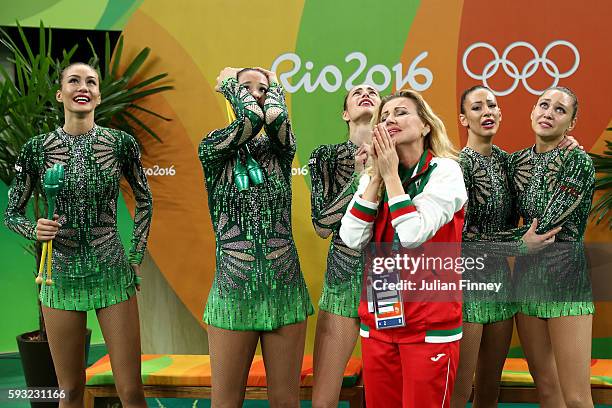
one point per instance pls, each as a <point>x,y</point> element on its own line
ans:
<point>414,375</point>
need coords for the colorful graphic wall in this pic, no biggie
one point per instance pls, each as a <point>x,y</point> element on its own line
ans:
<point>320,49</point>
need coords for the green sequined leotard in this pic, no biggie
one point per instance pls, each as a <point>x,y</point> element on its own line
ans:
<point>556,187</point>
<point>258,282</point>
<point>489,209</point>
<point>90,268</point>
<point>333,186</point>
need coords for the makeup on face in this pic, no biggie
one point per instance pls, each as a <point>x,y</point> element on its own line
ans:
<point>361,102</point>
<point>80,91</point>
<point>402,121</point>
<point>256,83</point>
<point>552,114</point>
<point>482,114</point>
<point>364,96</point>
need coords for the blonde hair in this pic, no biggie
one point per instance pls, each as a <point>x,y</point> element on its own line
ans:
<point>437,139</point>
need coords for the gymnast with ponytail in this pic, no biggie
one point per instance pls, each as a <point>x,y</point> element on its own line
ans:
<point>258,292</point>
<point>78,167</point>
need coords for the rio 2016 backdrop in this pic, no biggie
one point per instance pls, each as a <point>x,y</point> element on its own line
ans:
<point>319,50</point>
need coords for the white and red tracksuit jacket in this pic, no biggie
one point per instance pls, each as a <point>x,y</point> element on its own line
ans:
<point>434,215</point>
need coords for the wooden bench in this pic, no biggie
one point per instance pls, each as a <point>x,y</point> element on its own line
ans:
<point>188,376</point>
<point>517,383</point>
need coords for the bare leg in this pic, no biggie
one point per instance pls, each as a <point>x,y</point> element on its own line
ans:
<point>66,334</point>
<point>283,351</point>
<point>121,330</point>
<point>468,356</point>
<point>571,342</point>
<point>491,357</point>
<point>535,340</point>
<point>334,343</point>
<point>231,355</point>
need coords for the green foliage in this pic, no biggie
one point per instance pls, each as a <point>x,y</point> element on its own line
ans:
<point>28,106</point>
<point>603,166</point>
<point>120,92</point>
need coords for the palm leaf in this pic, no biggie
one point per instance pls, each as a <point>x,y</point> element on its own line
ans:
<point>28,106</point>
<point>136,63</point>
<point>119,94</point>
<point>118,51</point>
<point>150,112</point>
<point>141,124</point>
<point>603,167</point>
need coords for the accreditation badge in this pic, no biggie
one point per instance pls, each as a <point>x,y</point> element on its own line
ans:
<point>388,305</point>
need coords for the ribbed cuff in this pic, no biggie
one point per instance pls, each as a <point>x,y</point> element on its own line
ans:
<point>401,206</point>
<point>364,210</point>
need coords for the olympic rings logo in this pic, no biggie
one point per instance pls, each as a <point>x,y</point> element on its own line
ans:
<point>528,70</point>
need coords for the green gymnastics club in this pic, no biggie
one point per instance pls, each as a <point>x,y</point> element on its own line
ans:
<point>252,170</point>
<point>241,178</point>
<point>256,174</point>
<point>53,183</point>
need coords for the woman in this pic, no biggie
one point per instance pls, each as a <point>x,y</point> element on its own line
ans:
<point>421,200</point>
<point>334,172</point>
<point>554,188</point>
<point>90,269</point>
<point>258,291</point>
<point>487,321</point>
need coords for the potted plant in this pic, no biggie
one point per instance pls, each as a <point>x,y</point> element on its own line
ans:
<point>603,166</point>
<point>28,108</point>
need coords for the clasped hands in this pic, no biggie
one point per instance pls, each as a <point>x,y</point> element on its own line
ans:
<point>380,153</point>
